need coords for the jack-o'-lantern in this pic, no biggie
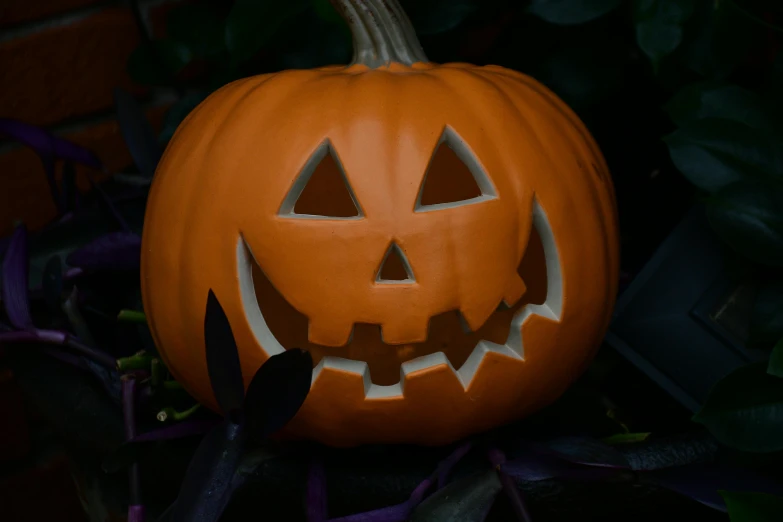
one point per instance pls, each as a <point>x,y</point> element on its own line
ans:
<point>441,237</point>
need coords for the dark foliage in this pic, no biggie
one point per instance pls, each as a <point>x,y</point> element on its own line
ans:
<point>684,98</point>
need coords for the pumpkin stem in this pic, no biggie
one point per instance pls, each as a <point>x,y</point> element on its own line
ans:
<point>382,33</point>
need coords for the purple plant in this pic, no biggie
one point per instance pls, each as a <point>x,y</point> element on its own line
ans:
<point>250,418</point>
<point>17,306</point>
<point>253,416</point>
<point>49,148</point>
<point>129,393</point>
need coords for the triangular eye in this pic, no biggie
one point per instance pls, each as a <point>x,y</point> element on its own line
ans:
<point>454,176</point>
<point>395,267</point>
<point>322,189</point>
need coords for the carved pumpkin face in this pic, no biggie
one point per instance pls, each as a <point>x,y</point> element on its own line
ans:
<point>441,238</point>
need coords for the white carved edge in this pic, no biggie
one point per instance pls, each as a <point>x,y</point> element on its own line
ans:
<point>551,309</point>
<point>449,137</point>
<point>394,249</point>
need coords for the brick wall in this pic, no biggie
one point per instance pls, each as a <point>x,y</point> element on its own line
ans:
<point>59,62</point>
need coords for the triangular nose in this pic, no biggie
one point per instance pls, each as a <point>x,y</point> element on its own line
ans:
<point>395,267</point>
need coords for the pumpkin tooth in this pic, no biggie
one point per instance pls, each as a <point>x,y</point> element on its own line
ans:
<point>429,376</point>
<point>329,333</point>
<point>475,317</point>
<point>516,289</point>
<point>411,330</point>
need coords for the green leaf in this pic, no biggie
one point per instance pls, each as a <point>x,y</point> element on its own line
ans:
<point>467,500</point>
<point>571,12</point>
<point>659,25</point>
<point>729,102</point>
<point>178,112</point>
<point>748,215</point>
<point>753,507</point>
<point>156,62</point>
<point>744,410</point>
<point>198,26</point>
<point>719,40</point>
<point>775,366</point>
<point>252,23</point>
<point>713,153</point>
<point>766,324</point>
<point>583,75</point>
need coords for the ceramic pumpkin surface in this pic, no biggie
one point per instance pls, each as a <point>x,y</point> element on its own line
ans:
<point>441,238</point>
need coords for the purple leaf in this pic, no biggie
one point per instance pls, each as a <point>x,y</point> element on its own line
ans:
<point>701,482</point>
<point>207,487</point>
<point>588,452</point>
<point>68,358</point>
<point>29,336</point>
<point>14,280</point>
<point>129,395</point>
<point>397,513</point>
<point>129,406</point>
<point>316,492</point>
<point>49,147</point>
<point>466,500</point>
<point>445,467</point>
<point>46,143</point>
<point>533,467</point>
<point>498,458</point>
<point>178,430</point>
<point>114,251</point>
<point>401,512</point>
<point>136,514</point>
<point>38,335</point>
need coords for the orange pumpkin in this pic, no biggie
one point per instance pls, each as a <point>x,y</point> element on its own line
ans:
<point>441,237</point>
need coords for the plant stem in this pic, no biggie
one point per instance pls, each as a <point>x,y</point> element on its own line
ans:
<point>170,414</point>
<point>382,33</point>
<point>156,372</point>
<point>104,359</point>
<point>178,430</point>
<point>317,510</point>
<point>624,438</point>
<point>132,316</point>
<point>497,458</point>
<point>136,513</point>
<point>445,467</point>
<point>135,508</point>
<point>70,308</point>
<point>62,339</point>
<point>138,361</point>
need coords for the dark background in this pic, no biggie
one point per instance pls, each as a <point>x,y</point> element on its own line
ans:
<point>623,66</point>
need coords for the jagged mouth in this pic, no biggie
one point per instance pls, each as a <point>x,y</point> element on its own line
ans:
<point>278,326</point>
